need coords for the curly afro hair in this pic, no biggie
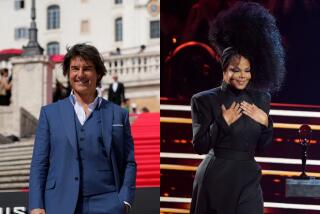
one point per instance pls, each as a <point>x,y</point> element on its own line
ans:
<point>251,30</point>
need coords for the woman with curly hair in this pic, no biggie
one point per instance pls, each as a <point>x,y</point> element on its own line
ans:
<point>231,122</point>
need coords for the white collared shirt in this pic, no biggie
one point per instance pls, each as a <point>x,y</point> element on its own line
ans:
<point>115,86</point>
<point>79,110</point>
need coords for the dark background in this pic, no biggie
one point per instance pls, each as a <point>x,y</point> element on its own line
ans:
<point>187,20</point>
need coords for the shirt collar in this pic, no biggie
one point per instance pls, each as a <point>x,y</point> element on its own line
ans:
<point>97,101</point>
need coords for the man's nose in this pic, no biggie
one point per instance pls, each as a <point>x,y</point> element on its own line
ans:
<point>80,73</point>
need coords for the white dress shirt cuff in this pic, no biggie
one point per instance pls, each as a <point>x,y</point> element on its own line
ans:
<point>127,204</point>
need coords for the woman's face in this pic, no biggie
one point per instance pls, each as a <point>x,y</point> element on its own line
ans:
<point>238,73</point>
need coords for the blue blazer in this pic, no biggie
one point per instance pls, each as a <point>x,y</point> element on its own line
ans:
<point>54,174</point>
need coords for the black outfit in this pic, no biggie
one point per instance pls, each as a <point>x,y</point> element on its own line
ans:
<point>3,100</point>
<point>116,96</point>
<point>228,179</point>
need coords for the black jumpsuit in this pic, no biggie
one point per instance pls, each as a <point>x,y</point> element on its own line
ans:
<point>228,179</point>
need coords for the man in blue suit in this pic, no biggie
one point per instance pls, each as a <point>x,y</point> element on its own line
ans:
<point>83,157</point>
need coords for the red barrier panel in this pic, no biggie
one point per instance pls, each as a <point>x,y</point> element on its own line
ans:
<point>146,134</point>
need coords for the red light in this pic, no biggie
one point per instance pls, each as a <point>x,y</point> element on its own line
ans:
<point>164,98</point>
<point>183,141</point>
<point>276,180</point>
<point>313,142</point>
<point>297,140</point>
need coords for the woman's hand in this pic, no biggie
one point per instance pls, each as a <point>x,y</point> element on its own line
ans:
<point>255,113</point>
<point>231,114</point>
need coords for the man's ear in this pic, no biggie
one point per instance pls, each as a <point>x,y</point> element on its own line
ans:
<point>99,78</point>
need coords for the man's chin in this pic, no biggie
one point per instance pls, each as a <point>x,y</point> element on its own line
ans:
<point>81,85</point>
<point>83,90</point>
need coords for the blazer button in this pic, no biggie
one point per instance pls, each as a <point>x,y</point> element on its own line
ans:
<point>76,178</point>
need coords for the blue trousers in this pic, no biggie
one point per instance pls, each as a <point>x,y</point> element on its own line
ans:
<point>106,203</point>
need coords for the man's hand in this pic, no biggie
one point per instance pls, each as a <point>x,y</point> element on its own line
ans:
<point>255,113</point>
<point>231,114</point>
<point>38,211</point>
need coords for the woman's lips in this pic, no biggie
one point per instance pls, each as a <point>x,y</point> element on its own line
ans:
<point>240,82</point>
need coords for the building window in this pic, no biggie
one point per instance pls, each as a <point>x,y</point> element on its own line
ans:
<point>118,1</point>
<point>118,29</point>
<point>21,33</point>
<point>85,26</point>
<point>53,48</point>
<point>154,29</point>
<point>53,17</point>
<point>18,4</point>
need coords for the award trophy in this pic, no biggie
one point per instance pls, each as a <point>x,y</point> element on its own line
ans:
<point>303,185</point>
<point>305,135</point>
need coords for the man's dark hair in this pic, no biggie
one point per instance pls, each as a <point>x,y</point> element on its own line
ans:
<point>87,53</point>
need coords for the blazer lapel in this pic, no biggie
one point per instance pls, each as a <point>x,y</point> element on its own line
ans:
<point>106,121</point>
<point>67,116</point>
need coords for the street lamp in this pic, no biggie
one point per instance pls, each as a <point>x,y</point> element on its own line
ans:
<point>33,48</point>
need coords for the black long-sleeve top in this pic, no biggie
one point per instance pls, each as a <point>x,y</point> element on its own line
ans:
<point>210,129</point>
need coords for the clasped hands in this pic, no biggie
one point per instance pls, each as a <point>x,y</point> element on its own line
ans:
<point>236,110</point>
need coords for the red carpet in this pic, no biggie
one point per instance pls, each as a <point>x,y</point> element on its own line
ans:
<point>146,135</point>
